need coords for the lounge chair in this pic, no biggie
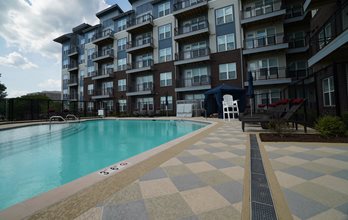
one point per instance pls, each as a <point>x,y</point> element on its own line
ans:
<point>279,110</point>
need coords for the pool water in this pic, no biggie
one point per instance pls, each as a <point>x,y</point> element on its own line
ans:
<point>36,159</point>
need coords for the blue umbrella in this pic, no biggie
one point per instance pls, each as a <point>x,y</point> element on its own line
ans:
<point>250,92</point>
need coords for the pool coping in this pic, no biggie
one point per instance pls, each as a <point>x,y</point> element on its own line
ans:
<point>62,197</point>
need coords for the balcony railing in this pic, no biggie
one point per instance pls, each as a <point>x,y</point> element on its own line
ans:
<point>192,27</point>
<point>102,53</point>
<point>103,72</point>
<point>192,54</point>
<point>330,30</point>
<point>73,50</point>
<point>141,64</point>
<point>142,87</point>
<point>294,12</point>
<point>140,42</point>
<point>299,42</point>
<point>104,92</point>
<point>72,66</point>
<point>102,34</point>
<point>186,3</point>
<point>140,20</point>
<point>265,41</point>
<point>72,81</point>
<point>194,81</point>
<point>261,9</point>
<point>277,73</point>
<point>73,96</point>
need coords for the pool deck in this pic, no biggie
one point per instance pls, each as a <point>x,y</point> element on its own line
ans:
<point>207,176</point>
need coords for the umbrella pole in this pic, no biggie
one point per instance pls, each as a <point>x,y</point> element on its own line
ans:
<point>251,107</point>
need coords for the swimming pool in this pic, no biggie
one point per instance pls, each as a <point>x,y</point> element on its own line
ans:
<point>36,159</point>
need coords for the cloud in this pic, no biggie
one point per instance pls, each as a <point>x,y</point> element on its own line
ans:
<point>16,93</point>
<point>32,25</point>
<point>50,84</point>
<point>16,60</point>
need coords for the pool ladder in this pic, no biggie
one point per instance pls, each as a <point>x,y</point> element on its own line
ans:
<point>67,117</point>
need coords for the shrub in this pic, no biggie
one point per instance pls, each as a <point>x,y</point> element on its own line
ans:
<point>279,126</point>
<point>330,126</point>
<point>345,119</point>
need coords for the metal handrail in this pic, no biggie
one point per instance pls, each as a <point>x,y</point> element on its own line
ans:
<point>186,3</point>
<point>264,41</point>
<point>187,29</point>
<point>259,10</point>
<point>191,54</point>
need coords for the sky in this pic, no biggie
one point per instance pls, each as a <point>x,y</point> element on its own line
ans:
<point>29,59</point>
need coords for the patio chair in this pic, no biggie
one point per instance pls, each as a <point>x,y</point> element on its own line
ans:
<point>279,110</point>
<point>229,106</point>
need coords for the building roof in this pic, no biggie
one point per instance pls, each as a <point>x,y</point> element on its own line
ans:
<point>123,14</point>
<point>91,28</point>
<point>108,10</point>
<point>78,29</point>
<point>63,38</point>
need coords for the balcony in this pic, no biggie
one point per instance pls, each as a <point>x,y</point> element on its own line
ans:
<point>192,56</point>
<point>73,52</point>
<point>103,93</point>
<point>140,24</point>
<point>73,97</point>
<point>193,83</point>
<point>295,14</point>
<point>330,41</point>
<point>140,89</point>
<point>104,37</point>
<point>72,67</point>
<point>103,56</point>
<point>73,82</point>
<point>193,31</point>
<point>140,66</point>
<point>190,8</point>
<point>299,45</point>
<point>104,73</point>
<point>263,12</point>
<point>270,76</point>
<point>265,44</point>
<point>141,45</point>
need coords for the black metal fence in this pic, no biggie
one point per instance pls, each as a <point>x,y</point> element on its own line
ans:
<point>20,109</point>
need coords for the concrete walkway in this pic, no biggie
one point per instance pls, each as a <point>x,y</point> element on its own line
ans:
<point>204,181</point>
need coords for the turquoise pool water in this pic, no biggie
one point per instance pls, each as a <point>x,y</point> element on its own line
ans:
<point>36,159</point>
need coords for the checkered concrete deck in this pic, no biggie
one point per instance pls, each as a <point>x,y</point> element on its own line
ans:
<point>204,181</point>
<point>313,178</point>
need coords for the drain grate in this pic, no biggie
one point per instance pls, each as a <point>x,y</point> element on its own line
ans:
<point>262,212</point>
<point>261,198</point>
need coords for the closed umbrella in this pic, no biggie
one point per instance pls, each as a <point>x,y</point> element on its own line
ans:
<point>250,93</point>
<point>167,103</point>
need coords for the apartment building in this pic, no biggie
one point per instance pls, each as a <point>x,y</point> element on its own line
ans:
<point>161,51</point>
<point>275,46</point>
<point>168,51</point>
<point>328,59</point>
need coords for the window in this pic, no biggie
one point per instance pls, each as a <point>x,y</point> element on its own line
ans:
<point>90,106</point>
<point>107,88</point>
<point>165,55</point>
<point>66,49</point>
<point>296,39</point>
<point>227,71</point>
<point>166,79</point>
<point>110,105</point>
<point>122,85</point>
<point>267,96</point>
<point>65,63</point>
<point>226,42</point>
<point>121,64</point>
<point>224,15</point>
<point>108,23</point>
<point>329,91</point>
<point>169,104</point>
<point>297,69</point>
<point>264,69</point>
<point>144,83</point>
<point>122,105</point>
<point>121,44</point>
<point>325,36</point>
<point>90,89</point>
<point>145,104</point>
<point>163,9</point>
<point>90,37</point>
<point>90,53</point>
<point>165,31</point>
<point>121,24</point>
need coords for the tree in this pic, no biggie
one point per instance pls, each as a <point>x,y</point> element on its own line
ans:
<point>3,94</point>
